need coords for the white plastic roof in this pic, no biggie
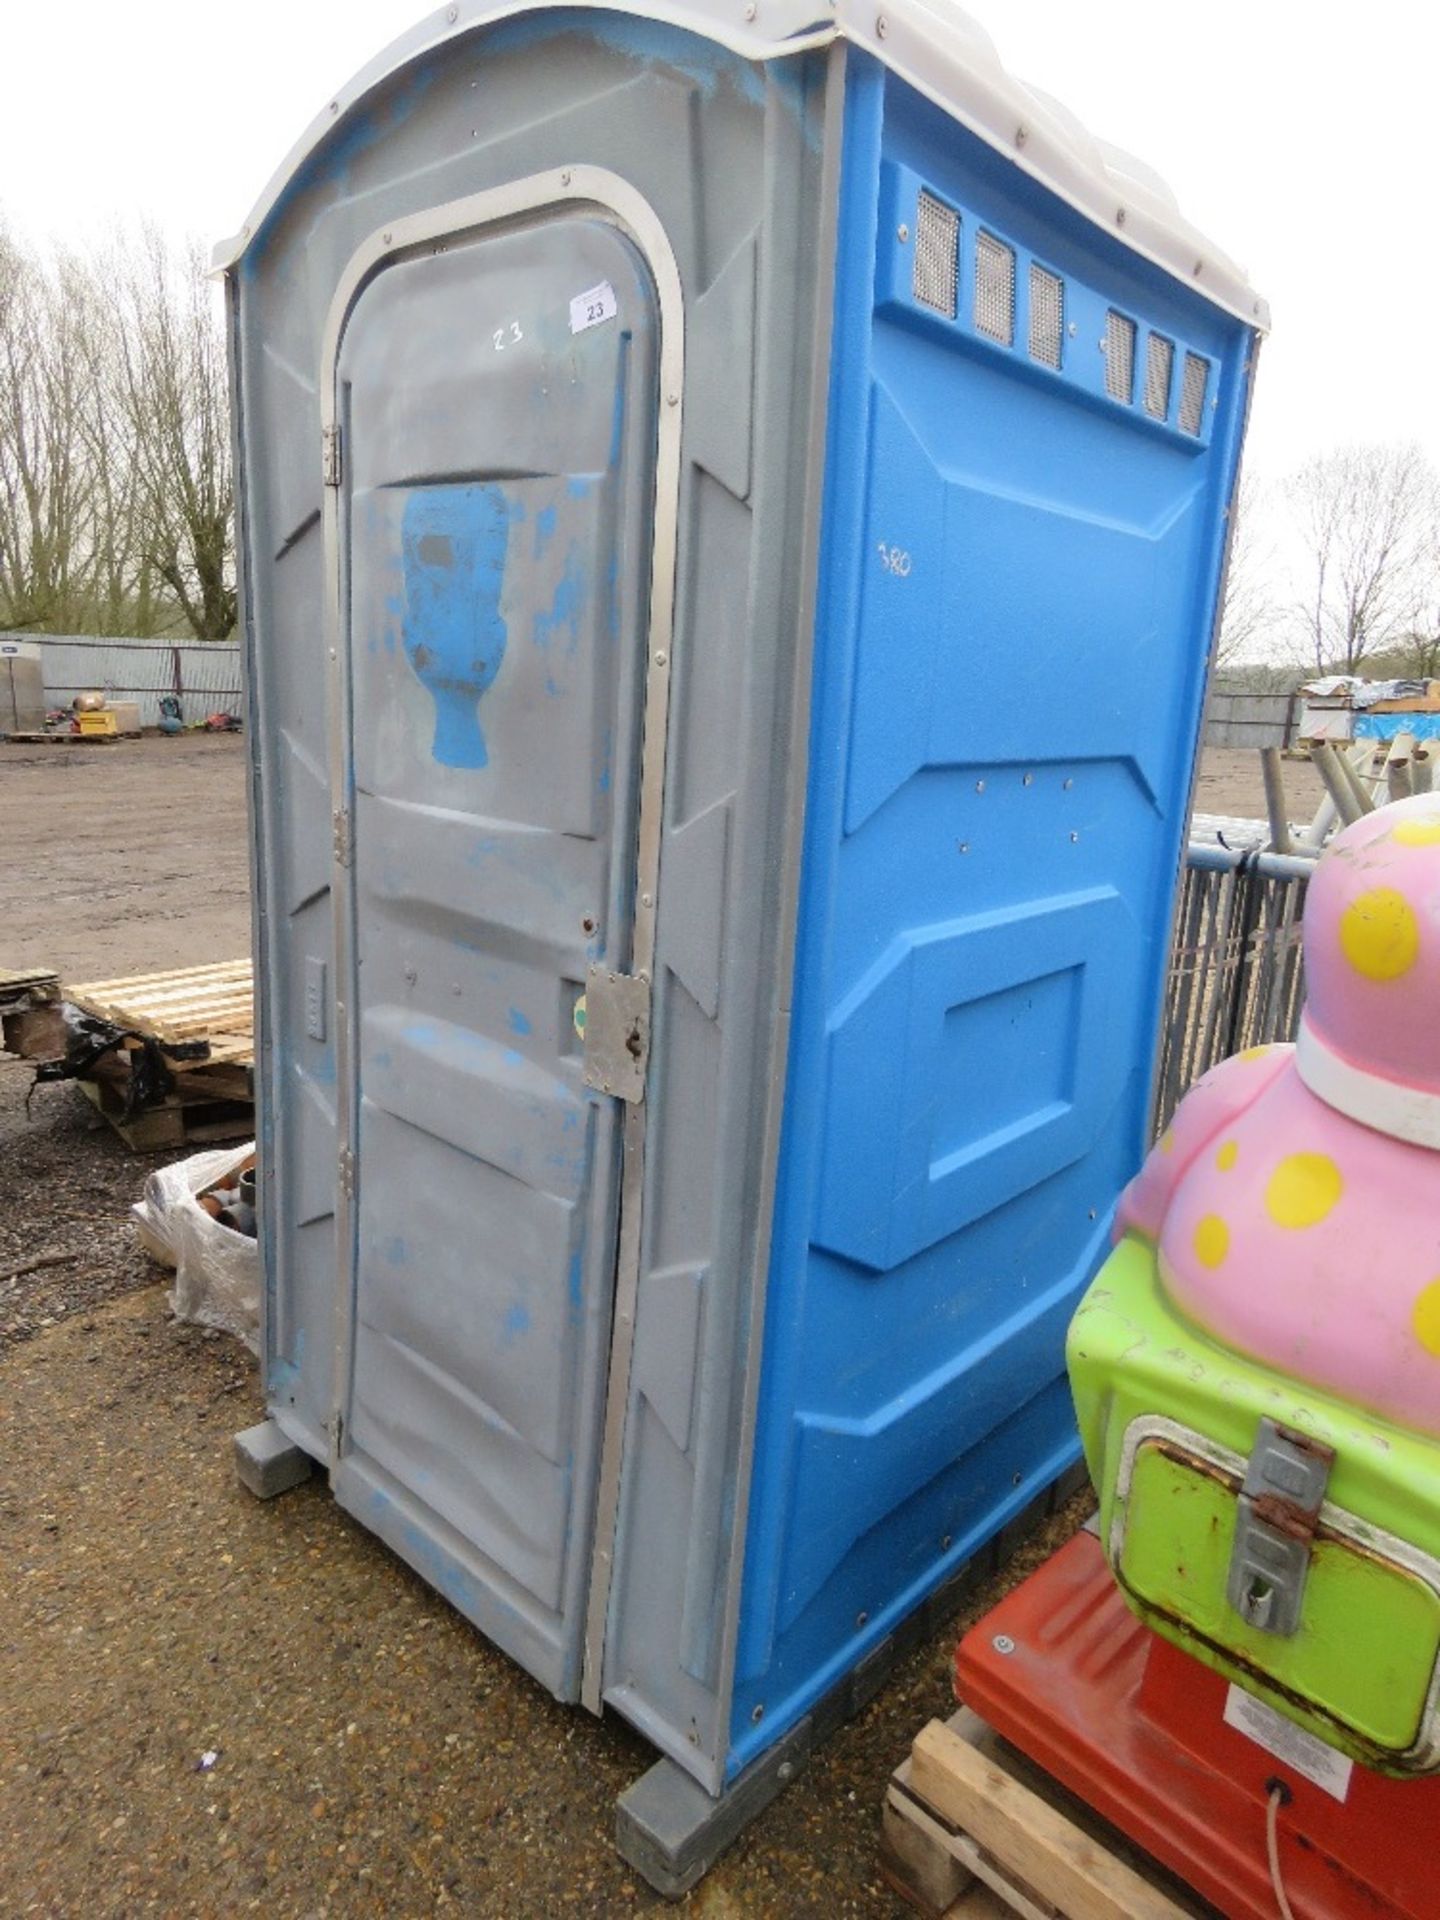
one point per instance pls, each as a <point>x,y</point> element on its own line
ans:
<point>932,44</point>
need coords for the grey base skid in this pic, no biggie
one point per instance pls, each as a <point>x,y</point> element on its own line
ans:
<point>672,1832</point>
<point>267,1463</point>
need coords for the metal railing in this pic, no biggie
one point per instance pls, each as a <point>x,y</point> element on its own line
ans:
<point>1236,975</point>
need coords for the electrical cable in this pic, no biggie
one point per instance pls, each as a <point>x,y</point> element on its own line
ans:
<point>1278,1797</point>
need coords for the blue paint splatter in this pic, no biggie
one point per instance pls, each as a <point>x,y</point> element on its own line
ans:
<point>567,603</point>
<point>546,521</point>
<point>617,407</point>
<point>517,1021</point>
<point>580,485</point>
<point>517,1322</point>
<point>454,541</point>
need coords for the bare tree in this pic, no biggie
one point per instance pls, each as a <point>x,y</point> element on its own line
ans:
<point>1361,513</point>
<point>1421,645</point>
<point>122,588</point>
<point>1247,611</point>
<point>173,398</point>
<point>73,557</point>
<point>44,499</point>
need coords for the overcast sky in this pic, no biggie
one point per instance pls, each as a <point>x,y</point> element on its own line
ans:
<point>1300,138</point>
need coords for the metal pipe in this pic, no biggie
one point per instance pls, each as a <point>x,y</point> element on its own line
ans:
<point>1398,782</point>
<point>1328,765</point>
<point>1351,765</point>
<point>1275,798</point>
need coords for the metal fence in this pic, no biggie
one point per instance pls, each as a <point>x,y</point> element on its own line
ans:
<point>204,675</point>
<point>1236,971</point>
<point>1236,717</point>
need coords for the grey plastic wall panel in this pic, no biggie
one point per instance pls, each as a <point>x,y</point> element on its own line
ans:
<point>728,156</point>
<point>719,993</point>
<point>282,597</point>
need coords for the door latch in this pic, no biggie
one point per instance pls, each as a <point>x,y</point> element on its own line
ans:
<point>1275,1524</point>
<point>617,1032</point>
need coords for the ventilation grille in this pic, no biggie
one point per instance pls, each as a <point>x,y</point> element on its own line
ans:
<point>1159,367</point>
<point>995,289</point>
<point>937,250</point>
<point>1119,356</point>
<point>1192,393</point>
<point>1047,316</point>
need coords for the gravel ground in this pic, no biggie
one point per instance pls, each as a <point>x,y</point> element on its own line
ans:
<point>371,1753</point>
<point>66,1186</point>
<point>374,1755</point>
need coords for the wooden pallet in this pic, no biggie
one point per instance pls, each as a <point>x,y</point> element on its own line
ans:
<point>972,1829</point>
<point>87,739</point>
<point>31,1023</point>
<point>211,1007</point>
<point>195,1115</point>
<point>215,1004</point>
<point>31,985</point>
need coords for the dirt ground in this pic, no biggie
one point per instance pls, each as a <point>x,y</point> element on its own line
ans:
<point>213,1707</point>
<point>371,1754</point>
<point>1230,782</point>
<point>129,857</point>
<point>124,856</point>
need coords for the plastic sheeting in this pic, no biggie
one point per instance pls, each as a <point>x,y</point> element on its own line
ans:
<point>217,1270</point>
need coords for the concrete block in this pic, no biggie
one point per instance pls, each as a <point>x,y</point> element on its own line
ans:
<point>671,1831</point>
<point>267,1463</point>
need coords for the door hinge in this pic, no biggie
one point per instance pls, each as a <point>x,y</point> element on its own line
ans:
<point>330,455</point>
<point>346,1168</point>
<point>343,837</point>
<point>617,1032</point>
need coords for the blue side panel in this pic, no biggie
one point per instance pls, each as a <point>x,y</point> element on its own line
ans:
<point>1018,581</point>
<point>1385,726</point>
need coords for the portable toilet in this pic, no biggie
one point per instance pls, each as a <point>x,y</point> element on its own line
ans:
<point>732,502</point>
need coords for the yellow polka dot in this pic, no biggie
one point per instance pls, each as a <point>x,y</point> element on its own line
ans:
<point>1212,1240</point>
<point>1254,1053</point>
<point>1303,1189</point>
<point>1425,1317</point>
<point>1379,934</point>
<point>1227,1156</point>
<point>1418,833</point>
<point>1167,1141</point>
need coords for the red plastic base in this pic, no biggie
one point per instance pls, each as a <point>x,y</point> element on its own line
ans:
<point>1136,1728</point>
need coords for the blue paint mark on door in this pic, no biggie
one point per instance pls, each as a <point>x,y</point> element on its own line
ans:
<point>454,541</point>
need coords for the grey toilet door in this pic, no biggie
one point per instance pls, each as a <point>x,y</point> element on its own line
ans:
<point>498,404</point>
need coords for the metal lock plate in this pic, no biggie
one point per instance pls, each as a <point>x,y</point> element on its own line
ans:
<point>617,1032</point>
<point>1275,1522</point>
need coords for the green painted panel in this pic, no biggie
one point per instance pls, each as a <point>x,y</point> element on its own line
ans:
<point>1357,1672</point>
<point>1369,1632</point>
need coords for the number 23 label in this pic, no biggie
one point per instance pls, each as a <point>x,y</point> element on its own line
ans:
<point>588,309</point>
